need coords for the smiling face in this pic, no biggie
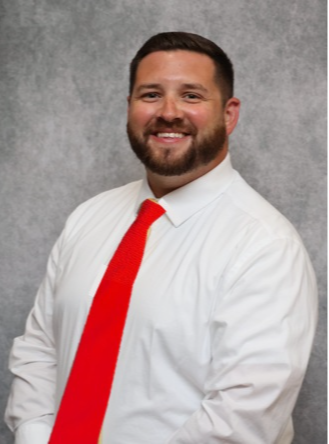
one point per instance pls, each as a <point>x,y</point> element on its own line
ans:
<point>176,117</point>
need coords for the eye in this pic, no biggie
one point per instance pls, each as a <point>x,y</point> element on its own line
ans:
<point>192,97</point>
<point>150,96</point>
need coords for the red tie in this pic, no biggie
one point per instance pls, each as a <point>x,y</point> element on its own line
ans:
<point>83,406</point>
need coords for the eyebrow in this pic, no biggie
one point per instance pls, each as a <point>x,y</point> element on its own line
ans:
<point>148,86</point>
<point>193,86</point>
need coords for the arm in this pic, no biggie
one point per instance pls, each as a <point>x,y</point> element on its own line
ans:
<point>30,408</point>
<point>262,333</point>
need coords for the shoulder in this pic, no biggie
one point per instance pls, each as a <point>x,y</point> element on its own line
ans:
<point>265,245</point>
<point>257,213</point>
<point>101,206</point>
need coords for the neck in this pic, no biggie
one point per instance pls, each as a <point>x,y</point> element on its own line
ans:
<point>162,185</point>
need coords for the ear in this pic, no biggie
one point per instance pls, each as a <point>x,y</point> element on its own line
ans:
<point>231,113</point>
<point>128,101</point>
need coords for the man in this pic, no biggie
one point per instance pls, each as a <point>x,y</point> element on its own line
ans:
<point>223,310</point>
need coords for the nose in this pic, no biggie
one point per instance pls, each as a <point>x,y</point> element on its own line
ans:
<point>169,109</point>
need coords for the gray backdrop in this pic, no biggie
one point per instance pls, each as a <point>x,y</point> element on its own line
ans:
<point>63,87</point>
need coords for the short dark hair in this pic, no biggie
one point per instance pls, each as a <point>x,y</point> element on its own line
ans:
<point>173,41</point>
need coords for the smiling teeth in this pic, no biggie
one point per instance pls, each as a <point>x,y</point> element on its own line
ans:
<point>173,135</point>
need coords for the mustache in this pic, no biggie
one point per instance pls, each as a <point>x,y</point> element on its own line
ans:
<point>176,126</point>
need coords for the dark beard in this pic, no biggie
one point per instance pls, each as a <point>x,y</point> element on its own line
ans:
<point>199,154</point>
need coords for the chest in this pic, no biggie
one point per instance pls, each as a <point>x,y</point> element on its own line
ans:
<point>173,296</point>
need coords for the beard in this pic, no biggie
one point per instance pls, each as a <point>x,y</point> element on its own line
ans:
<point>200,152</point>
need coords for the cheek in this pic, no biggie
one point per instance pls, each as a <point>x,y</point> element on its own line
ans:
<point>140,116</point>
<point>200,118</point>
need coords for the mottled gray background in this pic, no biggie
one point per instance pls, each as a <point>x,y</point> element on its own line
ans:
<point>63,87</point>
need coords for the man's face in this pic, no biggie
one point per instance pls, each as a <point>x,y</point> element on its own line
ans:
<point>176,118</point>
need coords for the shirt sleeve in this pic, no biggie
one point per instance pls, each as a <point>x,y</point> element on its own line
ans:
<point>35,431</point>
<point>32,361</point>
<point>262,333</point>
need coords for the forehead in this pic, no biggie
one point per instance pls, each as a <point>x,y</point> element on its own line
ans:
<point>176,66</point>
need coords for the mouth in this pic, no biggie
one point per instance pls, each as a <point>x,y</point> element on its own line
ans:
<point>170,137</point>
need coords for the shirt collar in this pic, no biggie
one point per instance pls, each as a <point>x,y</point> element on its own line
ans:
<point>183,203</point>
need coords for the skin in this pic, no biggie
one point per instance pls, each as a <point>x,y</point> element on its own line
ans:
<point>176,92</point>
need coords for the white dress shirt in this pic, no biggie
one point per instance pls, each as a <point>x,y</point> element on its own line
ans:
<point>220,324</point>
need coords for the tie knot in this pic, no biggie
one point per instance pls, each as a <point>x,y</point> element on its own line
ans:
<point>150,211</point>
